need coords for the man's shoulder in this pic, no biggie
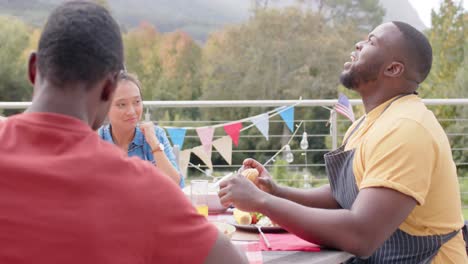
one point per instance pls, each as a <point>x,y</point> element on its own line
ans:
<point>411,108</point>
<point>401,131</point>
<point>406,112</point>
<point>413,113</point>
<point>113,157</point>
<point>131,173</point>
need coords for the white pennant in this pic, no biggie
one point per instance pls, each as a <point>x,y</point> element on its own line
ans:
<point>262,123</point>
<point>206,137</point>
<point>200,152</point>
<point>184,159</point>
<point>224,146</point>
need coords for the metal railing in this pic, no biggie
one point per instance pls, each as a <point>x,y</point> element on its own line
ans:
<point>310,171</point>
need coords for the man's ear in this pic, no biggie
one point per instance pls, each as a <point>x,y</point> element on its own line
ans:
<point>395,69</point>
<point>110,84</point>
<point>32,67</point>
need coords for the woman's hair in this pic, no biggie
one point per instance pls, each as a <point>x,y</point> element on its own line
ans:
<point>131,77</point>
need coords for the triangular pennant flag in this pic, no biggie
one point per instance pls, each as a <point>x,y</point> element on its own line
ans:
<point>287,113</point>
<point>233,130</point>
<point>206,137</point>
<point>184,159</point>
<point>224,147</point>
<point>262,123</point>
<point>177,136</point>
<point>200,152</point>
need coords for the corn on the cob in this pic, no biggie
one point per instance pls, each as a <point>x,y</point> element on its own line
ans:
<point>250,174</point>
<point>241,217</point>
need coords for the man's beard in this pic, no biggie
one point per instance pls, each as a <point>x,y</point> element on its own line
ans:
<point>349,79</point>
<point>357,76</point>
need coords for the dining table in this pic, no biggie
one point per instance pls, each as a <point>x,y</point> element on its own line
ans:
<point>299,257</point>
<point>249,242</point>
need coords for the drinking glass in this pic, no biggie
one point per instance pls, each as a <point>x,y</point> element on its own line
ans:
<point>198,196</point>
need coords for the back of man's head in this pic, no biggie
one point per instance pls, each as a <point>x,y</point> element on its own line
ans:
<point>417,50</point>
<point>81,42</point>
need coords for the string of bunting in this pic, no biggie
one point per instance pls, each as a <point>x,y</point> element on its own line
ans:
<point>224,144</point>
<point>233,130</point>
<point>272,159</point>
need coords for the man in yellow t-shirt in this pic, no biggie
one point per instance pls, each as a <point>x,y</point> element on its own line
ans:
<point>405,149</point>
<point>393,195</point>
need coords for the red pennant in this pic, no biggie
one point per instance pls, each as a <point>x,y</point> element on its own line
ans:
<point>233,130</point>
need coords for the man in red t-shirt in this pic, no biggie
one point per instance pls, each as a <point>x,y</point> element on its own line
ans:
<point>66,195</point>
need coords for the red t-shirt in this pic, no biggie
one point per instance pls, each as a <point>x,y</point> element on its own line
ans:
<point>66,196</point>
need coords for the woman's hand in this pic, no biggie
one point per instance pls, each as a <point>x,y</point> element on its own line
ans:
<point>264,180</point>
<point>148,131</point>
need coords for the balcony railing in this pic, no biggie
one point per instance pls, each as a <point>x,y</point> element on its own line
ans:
<point>326,131</point>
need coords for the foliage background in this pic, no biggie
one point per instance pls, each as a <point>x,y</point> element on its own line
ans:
<point>278,52</point>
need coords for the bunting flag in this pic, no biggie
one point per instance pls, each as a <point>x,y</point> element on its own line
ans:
<point>224,144</point>
<point>177,136</point>
<point>206,137</point>
<point>233,130</point>
<point>200,152</point>
<point>287,113</point>
<point>224,147</point>
<point>344,107</point>
<point>262,123</point>
<point>184,159</point>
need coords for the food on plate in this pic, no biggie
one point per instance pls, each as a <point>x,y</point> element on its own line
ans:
<point>250,174</point>
<point>265,222</point>
<point>241,217</point>
<point>224,228</point>
<point>245,218</point>
<point>256,217</point>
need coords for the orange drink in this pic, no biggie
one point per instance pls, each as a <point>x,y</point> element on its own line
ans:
<point>198,193</point>
<point>202,209</point>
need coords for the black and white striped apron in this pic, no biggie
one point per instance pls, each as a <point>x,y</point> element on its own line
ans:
<point>400,247</point>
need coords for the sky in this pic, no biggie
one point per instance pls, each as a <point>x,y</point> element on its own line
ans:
<point>424,7</point>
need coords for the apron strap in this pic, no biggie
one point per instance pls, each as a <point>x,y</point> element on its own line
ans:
<point>354,130</point>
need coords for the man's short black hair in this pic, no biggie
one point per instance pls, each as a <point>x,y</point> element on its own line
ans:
<point>417,49</point>
<point>81,42</point>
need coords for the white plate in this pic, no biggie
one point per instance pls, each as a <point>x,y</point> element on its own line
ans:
<point>253,228</point>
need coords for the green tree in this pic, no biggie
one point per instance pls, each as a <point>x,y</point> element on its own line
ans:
<point>14,35</point>
<point>366,14</point>
<point>167,66</point>
<point>180,79</point>
<point>103,3</point>
<point>277,54</point>
<point>449,40</point>
<point>142,57</point>
<point>447,37</point>
<point>180,58</point>
<point>459,143</point>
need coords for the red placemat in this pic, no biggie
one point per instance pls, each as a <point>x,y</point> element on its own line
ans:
<point>287,242</point>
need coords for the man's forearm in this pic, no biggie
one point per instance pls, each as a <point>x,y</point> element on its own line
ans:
<point>332,228</point>
<point>320,197</point>
<point>375,215</point>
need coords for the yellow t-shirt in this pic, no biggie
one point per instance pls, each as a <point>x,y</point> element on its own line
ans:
<point>405,149</point>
